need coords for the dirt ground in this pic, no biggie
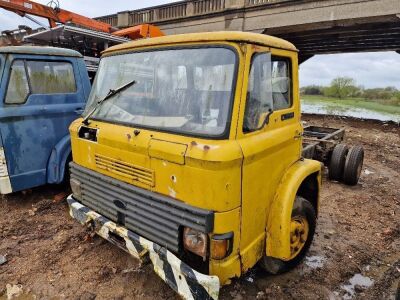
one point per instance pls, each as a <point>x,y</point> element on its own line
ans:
<point>355,254</point>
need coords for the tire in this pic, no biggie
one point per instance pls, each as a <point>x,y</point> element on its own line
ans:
<point>337,161</point>
<point>353,165</point>
<point>302,208</point>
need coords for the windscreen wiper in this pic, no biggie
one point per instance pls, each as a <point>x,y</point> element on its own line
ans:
<point>111,93</point>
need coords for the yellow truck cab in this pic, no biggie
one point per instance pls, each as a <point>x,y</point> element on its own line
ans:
<point>189,156</point>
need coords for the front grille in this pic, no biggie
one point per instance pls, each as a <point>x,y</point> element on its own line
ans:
<point>122,168</point>
<point>156,217</point>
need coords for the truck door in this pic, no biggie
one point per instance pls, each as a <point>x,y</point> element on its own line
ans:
<point>42,96</point>
<point>269,136</point>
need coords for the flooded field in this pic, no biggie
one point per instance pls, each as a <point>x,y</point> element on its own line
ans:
<point>334,108</point>
<point>355,253</point>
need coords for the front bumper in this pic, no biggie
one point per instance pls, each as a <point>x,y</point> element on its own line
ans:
<point>5,185</point>
<point>179,276</point>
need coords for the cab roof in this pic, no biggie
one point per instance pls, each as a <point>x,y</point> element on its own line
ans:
<point>228,36</point>
<point>37,50</point>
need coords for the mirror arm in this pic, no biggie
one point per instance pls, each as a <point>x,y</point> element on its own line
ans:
<point>266,120</point>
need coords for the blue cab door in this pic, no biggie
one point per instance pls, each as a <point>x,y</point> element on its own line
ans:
<point>41,97</point>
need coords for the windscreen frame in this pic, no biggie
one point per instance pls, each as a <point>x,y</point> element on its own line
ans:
<point>226,133</point>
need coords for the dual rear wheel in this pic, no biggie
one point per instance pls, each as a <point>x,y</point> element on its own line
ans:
<point>346,164</point>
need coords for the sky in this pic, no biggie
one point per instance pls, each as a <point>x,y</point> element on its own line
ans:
<point>379,69</point>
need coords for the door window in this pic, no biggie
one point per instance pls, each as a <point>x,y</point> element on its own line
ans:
<point>51,77</point>
<point>18,87</point>
<point>268,89</point>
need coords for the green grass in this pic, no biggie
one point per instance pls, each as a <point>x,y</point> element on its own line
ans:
<point>352,102</point>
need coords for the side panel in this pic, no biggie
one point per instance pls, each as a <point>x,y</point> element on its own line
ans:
<point>278,227</point>
<point>268,153</point>
<point>31,130</point>
<point>5,185</point>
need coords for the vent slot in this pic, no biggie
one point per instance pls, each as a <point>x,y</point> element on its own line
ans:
<point>121,168</point>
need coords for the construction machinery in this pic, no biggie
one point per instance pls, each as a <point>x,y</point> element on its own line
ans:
<point>70,30</point>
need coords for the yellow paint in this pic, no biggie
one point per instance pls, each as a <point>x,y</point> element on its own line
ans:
<point>164,150</point>
<point>299,230</point>
<point>250,180</point>
<point>278,226</point>
<point>229,267</point>
<point>205,37</point>
<point>268,153</point>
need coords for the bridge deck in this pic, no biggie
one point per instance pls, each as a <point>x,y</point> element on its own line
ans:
<point>315,27</point>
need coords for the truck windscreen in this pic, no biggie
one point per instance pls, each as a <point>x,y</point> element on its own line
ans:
<point>183,90</point>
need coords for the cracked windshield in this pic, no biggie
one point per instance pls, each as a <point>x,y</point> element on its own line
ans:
<point>179,90</point>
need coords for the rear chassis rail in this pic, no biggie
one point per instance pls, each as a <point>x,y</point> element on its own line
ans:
<point>318,142</point>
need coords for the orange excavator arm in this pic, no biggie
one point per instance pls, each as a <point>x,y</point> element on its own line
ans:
<point>140,31</point>
<point>53,15</point>
<point>58,15</point>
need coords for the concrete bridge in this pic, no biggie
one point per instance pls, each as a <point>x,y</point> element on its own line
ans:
<point>315,27</point>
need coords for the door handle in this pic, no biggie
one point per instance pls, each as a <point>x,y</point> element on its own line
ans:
<point>298,135</point>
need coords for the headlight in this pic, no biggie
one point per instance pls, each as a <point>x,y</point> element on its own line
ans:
<point>76,188</point>
<point>195,241</point>
<point>221,245</point>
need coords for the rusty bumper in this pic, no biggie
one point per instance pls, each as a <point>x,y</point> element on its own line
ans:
<point>187,282</point>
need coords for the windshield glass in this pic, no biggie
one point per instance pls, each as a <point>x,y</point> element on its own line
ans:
<point>178,90</point>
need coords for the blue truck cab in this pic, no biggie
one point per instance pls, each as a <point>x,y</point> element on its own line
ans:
<point>42,90</point>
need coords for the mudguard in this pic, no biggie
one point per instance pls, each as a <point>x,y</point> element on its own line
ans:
<point>58,160</point>
<point>278,225</point>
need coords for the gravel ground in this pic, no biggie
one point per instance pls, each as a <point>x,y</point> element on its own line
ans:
<point>355,254</point>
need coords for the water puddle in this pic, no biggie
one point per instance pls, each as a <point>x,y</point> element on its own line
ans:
<point>326,109</point>
<point>357,282</point>
<point>315,262</point>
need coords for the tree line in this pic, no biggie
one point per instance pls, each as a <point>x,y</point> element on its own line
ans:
<point>346,87</point>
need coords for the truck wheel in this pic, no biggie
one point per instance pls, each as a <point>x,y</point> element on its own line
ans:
<point>337,161</point>
<point>302,228</point>
<point>353,165</point>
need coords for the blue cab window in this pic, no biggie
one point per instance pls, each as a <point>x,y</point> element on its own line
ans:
<point>44,77</point>
<point>18,87</point>
<point>51,77</point>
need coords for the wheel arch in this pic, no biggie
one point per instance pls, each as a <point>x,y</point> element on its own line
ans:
<point>58,160</point>
<point>303,178</point>
<point>309,189</point>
